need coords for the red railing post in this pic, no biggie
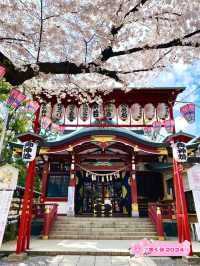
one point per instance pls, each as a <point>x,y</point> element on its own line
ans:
<point>49,217</point>
<point>159,224</point>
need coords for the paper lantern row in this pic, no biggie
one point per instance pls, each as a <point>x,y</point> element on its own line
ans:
<point>58,112</point>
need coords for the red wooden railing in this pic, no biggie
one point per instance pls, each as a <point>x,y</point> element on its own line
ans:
<point>156,217</point>
<point>47,211</point>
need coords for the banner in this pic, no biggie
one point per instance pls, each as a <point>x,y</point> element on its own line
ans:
<point>70,201</point>
<point>2,71</point>
<point>8,183</point>
<point>32,107</point>
<point>188,112</point>
<point>15,98</point>
<point>169,125</point>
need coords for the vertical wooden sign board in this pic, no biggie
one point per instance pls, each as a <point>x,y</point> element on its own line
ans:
<point>8,183</point>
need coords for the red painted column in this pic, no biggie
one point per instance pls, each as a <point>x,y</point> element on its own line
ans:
<point>134,201</point>
<point>23,239</point>
<point>45,173</point>
<point>23,227</point>
<point>181,206</point>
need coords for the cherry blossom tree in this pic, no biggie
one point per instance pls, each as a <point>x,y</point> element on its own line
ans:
<point>73,45</point>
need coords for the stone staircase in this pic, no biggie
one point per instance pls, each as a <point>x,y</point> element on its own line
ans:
<point>102,228</point>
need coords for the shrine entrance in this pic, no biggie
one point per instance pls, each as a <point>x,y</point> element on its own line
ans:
<point>103,195</point>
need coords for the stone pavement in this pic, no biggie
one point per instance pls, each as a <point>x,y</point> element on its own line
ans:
<point>95,261</point>
<point>79,247</point>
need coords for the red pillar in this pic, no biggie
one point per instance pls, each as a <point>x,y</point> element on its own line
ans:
<point>44,180</point>
<point>181,206</point>
<point>134,201</point>
<point>24,232</point>
<point>22,241</point>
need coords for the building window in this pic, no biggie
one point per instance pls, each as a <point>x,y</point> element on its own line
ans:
<point>58,180</point>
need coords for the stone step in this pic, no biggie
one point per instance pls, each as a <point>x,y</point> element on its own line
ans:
<point>102,237</point>
<point>93,229</point>
<point>101,219</point>
<point>103,233</point>
<point>103,223</point>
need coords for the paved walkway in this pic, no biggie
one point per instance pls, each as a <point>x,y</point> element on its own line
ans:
<point>95,261</point>
<point>80,247</point>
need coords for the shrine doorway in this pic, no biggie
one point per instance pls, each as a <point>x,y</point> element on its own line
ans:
<point>104,195</point>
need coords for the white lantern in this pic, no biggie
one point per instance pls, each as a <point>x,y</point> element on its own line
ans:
<point>110,111</point>
<point>123,111</point>
<point>162,110</point>
<point>179,152</point>
<point>29,151</point>
<point>136,111</point>
<point>97,111</point>
<point>71,112</point>
<point>149,111</point>
<point>58,112</point>
<point>84,112</point>
<point>45,110</point>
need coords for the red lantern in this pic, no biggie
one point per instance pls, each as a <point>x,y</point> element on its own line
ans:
<point>188,112</point>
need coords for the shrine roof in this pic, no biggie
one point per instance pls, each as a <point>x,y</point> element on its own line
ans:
<point>131,94</point>
<point>179,136</point>
<point>121,132</point>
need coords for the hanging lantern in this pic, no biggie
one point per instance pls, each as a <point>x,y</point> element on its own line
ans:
<point>2,71</point>
<point>97,111</point>
<point>157,126</point>
<point>45,110</point>
<point>188,112</point>
<point>58,112</point>
<point>123,111</point>
<point>149,111</point>
<point>15,98</point>
<point>147,131</point>
<point>110,111</point>
<point>71,112</point>
<point>84,112</point>
<point>31,107</point>
<point>169,125</point>
<point>162,110</point>
<point>136,111</point>
<point>45,122</point>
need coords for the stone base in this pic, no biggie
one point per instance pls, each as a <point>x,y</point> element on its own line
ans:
<point>192,259</point>
<point>16,257</point>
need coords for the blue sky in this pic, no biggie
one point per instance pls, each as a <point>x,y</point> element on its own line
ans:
<point>188,76</point>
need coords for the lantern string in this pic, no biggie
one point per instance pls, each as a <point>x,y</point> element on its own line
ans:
<point>93,173</point>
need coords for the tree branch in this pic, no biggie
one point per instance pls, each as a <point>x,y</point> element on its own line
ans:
<point>12,39</point>
<point>41,30</point>
<point>108,52</point>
